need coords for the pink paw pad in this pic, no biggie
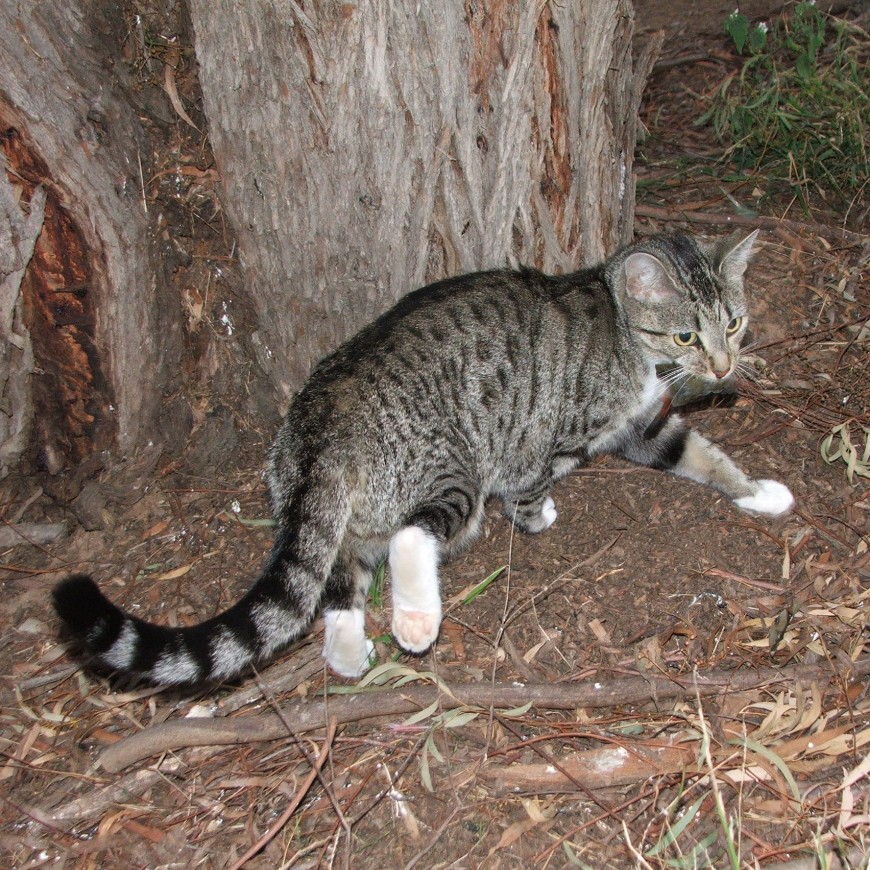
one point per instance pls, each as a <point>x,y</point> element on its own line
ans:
<point>415,630</point>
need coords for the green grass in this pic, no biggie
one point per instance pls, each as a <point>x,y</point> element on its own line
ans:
<point>798,112</point>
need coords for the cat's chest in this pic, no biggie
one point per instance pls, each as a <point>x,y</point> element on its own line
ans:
<point>636,403</point>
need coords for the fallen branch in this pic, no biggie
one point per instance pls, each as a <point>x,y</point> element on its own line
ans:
<point>593,769</point>
<point>741,220</point>
<point>307,714</point>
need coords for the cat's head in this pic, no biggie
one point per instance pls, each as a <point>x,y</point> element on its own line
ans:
<point>684,300</point>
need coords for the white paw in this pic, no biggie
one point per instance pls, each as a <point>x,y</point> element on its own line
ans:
<point>415,630</point>
<point>770,498</point>
<point>549,512</point>
<point>349,665</point>
<point>346,649</point>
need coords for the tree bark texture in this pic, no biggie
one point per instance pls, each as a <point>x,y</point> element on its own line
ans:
<point>20,226</point>
<point>367,148</point>
<point>89,298</point>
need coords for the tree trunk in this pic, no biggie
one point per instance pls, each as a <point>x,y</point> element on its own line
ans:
<point>368,148</point>
<point>365,149</point>
<point>88,338</point>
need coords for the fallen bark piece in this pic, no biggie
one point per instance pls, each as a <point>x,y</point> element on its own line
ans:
<point>309,713</point>
<point>39,534</point>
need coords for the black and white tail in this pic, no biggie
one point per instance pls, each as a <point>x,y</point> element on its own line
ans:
<point>278,609</point>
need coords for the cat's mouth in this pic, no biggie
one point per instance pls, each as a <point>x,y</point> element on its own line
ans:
<point>682,385</point>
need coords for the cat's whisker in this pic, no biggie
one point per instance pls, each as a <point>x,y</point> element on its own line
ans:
<point>686,380</point>
<point>745,369</point>
<point>672,378</point>
<point>753,345</point>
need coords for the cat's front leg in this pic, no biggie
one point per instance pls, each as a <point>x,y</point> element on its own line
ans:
<point>532,511</point>
<point>684,452</point>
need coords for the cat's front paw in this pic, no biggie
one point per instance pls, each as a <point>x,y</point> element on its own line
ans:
<point>532,518</point>
<point>771,498</point>
<point>549,512</point>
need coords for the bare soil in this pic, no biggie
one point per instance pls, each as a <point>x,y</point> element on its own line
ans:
<point>641,574</point>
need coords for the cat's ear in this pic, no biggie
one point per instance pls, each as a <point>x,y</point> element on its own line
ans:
<point>646,279</point>
<point>733,255</point>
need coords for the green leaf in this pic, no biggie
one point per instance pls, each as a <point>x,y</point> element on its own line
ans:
<point>516,712</point>
<point>433,748</point>
<point>757,39</point>
<point>805,67</point>
<point>459,718</point>
<point>425,774</point>
<point>773,758</point>
<point>675,830</point>
<point>483,585</point>
<point>737,27</point>
<point>420,715</point>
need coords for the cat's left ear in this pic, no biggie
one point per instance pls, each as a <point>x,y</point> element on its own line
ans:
<point>733,255</point>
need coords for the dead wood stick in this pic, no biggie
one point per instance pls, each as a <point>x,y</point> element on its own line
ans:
<point>853,858</point>
<point>102,798</point>
<point>742,220</point>
<point>593,769</point>
<point>307,714</point>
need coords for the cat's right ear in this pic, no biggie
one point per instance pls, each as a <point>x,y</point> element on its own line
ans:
<point>646,279</point>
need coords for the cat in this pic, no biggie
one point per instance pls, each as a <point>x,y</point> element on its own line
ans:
<point>493,384</point>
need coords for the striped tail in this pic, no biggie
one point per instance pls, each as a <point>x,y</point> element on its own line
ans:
<point>278,610</point>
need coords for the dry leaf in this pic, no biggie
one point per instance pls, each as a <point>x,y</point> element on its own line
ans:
<point>156,529</point>
<point>172,93</point>
<point>176,572</point>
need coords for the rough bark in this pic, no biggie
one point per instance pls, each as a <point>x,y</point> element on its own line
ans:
<point>365,149</point>
<point>20,226</point>
<point>90,296</point>
<point>368,148</point>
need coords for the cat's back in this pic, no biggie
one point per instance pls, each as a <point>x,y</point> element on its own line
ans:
<point>470,320</point>
<point>473,366</point>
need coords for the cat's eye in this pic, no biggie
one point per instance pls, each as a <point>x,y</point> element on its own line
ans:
<point>686,339</point>
<point>734,326</point>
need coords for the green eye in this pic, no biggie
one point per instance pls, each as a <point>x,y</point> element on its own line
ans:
<point>686,339</point>
<point>734,326</point>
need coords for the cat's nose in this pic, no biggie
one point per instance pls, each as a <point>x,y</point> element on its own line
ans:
<point>721,374</point>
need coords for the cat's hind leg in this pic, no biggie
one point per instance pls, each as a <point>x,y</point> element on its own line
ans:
<point>443,525</point>
<point>346,648</point>
<point>414,555</point>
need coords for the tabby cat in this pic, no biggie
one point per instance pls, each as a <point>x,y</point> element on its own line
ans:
<point>490,384</point>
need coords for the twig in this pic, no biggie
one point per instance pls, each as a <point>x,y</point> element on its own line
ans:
<point>308,714</point>
<point>741,220</point>
<point>297,799</point>
<point>853,857</point>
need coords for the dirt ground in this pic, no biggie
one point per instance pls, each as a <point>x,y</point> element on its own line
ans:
<point>642,575</point>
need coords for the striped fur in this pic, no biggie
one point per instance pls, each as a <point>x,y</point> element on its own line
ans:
<point>487,385</point>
